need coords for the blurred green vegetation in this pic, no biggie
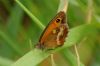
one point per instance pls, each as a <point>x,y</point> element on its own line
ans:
<point>17,29</point>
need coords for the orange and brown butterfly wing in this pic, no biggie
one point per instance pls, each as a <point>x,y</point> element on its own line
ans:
<point>51,42</point>
<point>55,33</point>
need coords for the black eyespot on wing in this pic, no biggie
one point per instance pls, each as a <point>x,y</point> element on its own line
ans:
<point>58,20</point>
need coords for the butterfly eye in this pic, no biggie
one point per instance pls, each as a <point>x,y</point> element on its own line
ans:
<point>58,20</point>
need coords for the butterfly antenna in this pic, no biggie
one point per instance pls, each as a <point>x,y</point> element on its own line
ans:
<point>52,60</point>
<point>30,43</point>
<point>77,55</point>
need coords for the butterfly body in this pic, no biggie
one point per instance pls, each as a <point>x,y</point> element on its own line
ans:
<point>55,33</point>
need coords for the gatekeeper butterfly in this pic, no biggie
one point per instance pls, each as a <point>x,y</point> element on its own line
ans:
<point>55,33</point>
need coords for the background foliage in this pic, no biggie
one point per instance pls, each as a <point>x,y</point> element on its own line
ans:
<point>17,28</point>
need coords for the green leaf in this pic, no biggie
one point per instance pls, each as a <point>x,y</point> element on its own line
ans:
<point>38,22</point>
<point>10,42</point>
<point>15,21</point>
<point>5,62</point>
<point>36,56</point>
<point>70,57</point>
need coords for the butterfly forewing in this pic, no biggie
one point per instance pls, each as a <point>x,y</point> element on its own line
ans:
<point>55,33</point>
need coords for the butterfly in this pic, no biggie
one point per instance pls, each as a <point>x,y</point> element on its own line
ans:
<point>55,33</point>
